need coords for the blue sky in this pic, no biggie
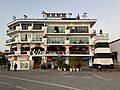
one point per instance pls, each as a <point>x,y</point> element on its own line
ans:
<point>107,13</point>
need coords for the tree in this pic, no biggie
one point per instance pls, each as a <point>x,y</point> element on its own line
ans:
<point>3,59</point>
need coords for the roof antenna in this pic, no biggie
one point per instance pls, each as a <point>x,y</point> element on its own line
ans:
<point>78,17</point>
<point>44,14</point>
<point>101,31</point>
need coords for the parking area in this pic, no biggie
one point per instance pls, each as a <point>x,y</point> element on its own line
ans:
<point>52,79</point>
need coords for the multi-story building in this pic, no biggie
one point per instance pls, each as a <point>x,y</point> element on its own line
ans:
<point>114,46</point>
<point>102,52</point>
<point>48,40</point>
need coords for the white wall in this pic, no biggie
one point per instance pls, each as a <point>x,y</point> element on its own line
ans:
<point>115,47</point>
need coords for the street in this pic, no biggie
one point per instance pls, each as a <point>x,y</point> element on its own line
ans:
<point>37,79</point>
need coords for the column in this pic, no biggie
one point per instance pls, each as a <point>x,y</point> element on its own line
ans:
<point>67,55</point>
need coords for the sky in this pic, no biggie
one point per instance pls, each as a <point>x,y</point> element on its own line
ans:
<point>107,13</point>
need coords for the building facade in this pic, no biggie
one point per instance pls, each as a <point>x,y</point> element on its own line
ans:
<point>114,46</point>
<point>102,52</point>
<point>51,39</point>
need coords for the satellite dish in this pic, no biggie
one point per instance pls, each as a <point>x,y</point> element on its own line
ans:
<point>70,14</point>
<point>85,16</point>
<point>25,16</point>
<point>14,17</point>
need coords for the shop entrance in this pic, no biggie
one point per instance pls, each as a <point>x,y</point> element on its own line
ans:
<point>37,62</point>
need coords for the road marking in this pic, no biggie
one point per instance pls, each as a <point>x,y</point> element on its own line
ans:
<point>14,85</point>
<point>51,84</point>
<point>101,77</point>
<point>87,77</point>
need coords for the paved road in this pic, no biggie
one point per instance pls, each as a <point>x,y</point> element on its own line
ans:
<point>55,80</point>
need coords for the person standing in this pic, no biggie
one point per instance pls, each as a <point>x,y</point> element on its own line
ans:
<point>15,67</point>
<point>9,65</point>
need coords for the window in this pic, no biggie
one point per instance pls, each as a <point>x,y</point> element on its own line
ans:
<point>53,40</point>
<point>75,40</point>
<point>24,37</point>
<point>37,26</point>
<point>37,37</point>
<point>25,26</point>
<point>78,29</point>
<point>56,29</point>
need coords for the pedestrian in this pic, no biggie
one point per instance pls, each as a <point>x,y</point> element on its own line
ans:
<point>15,67</point>
<point>9,65</point>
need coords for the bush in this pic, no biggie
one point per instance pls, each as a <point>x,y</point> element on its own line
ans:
<point>66,66</point>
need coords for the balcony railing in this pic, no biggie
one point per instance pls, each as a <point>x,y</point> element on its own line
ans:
<point>10,40</point>
<point>78,42</point>
<point>92,31</point>
<point>79,52</point>
<point>57,52</point>
<point>55,42</point>
<point>19,53</point>
<point>34,39</point>
<point>29,28</point>
<point>9,30</point>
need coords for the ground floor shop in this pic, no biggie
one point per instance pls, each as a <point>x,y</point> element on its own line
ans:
<point>50,62</point>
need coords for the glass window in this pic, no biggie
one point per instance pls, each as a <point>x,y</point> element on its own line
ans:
<point>56,29</point>
<point>50,29</point>
<point>25,26</point>
<point>37,26</point>
<point>53,40</point>
<point>25,36</point>
<point>78,29</point>
<point>84,40</point>
<point>37,36</point>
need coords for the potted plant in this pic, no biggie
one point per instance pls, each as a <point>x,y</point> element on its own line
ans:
<point>75,63</point>
<point>60,65</point>
<point>64,66</point>
<point>78,66</point>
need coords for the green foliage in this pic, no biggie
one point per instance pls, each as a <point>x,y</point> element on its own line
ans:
<point>75,62</point>
<point>65,66</point>
<point>3,59</point>
<point>60,62</point>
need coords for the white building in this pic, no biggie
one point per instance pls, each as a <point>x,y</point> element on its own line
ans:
<point>115,48</point>
<point>48,40</point>
<point>102,53</point>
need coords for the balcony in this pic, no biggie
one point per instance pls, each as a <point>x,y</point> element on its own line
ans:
<point>29,28</point>
<point>24,52</point>
<point>43,28</point>
<point>55,42</point>
<point>37,53</point>
<point>10,40</point>
<point>70,53</point>
<point>18,53</point>
<point>9,30</point>
<point>78,42</point>
<point>92,31</point>
<point>23,40</point>
<point>13,53</point>
<point>16,29</point>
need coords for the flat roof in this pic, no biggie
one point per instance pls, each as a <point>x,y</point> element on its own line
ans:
<point>115,41</point>
<point>91,21</point>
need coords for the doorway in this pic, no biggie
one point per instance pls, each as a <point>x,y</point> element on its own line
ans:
<point>37,62</point>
